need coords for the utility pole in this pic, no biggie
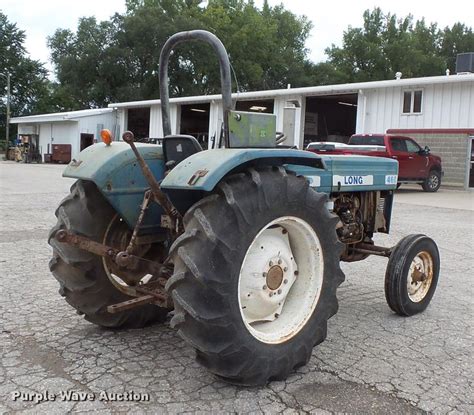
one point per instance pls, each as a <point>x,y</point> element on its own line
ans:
<point>7,127</point>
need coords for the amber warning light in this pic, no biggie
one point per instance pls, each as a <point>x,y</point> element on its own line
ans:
<point>106,136</point>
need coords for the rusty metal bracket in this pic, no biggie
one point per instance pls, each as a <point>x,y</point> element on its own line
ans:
<point>121,258</point>
<point>129,304</point>
<point>166,222</point>
<point>134,263</point>
<point>196,176</point>
<point>370,249</point>
<point>133,240</point>
<point>159,197</point>
<point>85,244</point>
<point>153,293</point>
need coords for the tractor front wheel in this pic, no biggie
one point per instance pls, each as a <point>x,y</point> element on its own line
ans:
<point>256,273</point>
<point>412,275</point>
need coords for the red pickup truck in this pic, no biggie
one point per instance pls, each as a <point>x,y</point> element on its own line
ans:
<point>415,164</point>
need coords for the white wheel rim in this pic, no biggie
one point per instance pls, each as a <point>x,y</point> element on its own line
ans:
<point>280,279</point>
<point>420,276</point>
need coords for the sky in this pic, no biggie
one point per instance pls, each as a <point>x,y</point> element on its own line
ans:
<point>40,18</point>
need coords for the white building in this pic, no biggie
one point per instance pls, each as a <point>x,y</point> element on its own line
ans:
<point>437,111</point>
<point>74,130</point>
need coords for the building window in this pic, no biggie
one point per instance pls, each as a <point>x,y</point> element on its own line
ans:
<point>412,101</point>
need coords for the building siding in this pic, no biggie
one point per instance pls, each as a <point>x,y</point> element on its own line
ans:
<point>93,124</point>
<point>156,126</point>
<point>443,106</point>
<point>58,133</point>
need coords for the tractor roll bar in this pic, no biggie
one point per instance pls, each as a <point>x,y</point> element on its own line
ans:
<point>226,86</point>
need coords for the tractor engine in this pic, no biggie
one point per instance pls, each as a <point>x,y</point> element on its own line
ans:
<point>351,228</point>
<point>362,214</point>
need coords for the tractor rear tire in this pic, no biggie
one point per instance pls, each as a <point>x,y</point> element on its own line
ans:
<point>211,284</point>
<point>81,275</point>
<point>412,275</point>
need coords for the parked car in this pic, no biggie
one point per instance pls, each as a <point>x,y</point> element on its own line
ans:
<point>415,164</point>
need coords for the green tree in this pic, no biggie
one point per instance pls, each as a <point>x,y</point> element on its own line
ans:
<point>118,60</point>
<point>88,69</point>
<point>386,44</point>
<point>456,39</point>
<point>144,29</point>
<point>266,47</point>
<point>29,84</point>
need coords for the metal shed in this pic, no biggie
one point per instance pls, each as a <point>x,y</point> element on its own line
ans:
<point>74,130</point>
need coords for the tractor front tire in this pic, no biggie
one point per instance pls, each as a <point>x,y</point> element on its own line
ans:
<point>256,273</point>
<point>81,275</point>
<point>412,275</point>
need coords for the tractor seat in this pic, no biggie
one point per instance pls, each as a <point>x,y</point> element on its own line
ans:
<point>176,148</point>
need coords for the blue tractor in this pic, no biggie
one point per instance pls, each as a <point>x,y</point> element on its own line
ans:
<point>242,243</point>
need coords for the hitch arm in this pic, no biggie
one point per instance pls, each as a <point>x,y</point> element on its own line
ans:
<point>85,244</point>
<point>122,258</point>
<point>151,292</point>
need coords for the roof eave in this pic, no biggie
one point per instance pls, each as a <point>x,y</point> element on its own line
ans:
<point>72,116</point>
<point>305,91</point>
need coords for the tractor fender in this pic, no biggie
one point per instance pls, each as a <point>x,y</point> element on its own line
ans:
<point>204,170</point>
<point>117,174</point>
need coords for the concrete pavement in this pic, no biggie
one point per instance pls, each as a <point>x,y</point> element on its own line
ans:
<point>372,361</point>
<point>443,198</point>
